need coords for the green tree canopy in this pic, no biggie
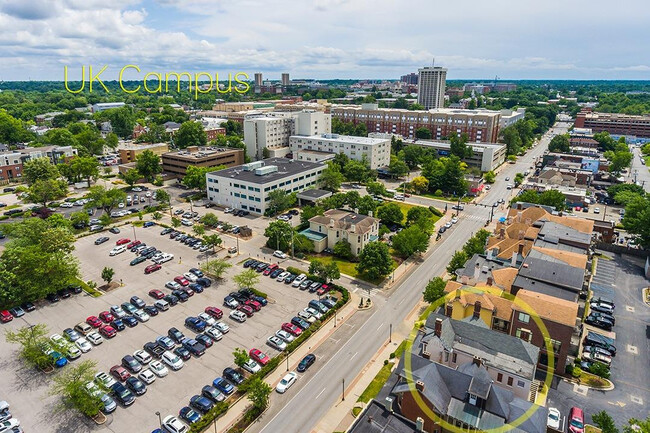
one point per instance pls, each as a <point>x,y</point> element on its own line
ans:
<point>559,143</point>
<point>148,165</point>
<point>410,241</point>
<point>190,134</point>
<point>390,213</point>
<point>248,278</point>
<point>39,169</point>
<point>375,260</point>
<point>434,290</point>
<point>331,178</point>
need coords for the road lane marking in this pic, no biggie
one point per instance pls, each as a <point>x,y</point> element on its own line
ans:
<point>382,324</point>
<point>319,394</point>
<point>355,354</point>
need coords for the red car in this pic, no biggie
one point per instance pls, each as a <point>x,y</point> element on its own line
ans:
<point>120,373</point>
<point>291,329</point>
<point>182,281</point>
<point>108,331</point>
<point>248,311</point>
<point>259,356</point>
<point>5,316</point>
<point>94,321</point>
<point>122,241</point>
<point>156,294</point>
<point>187,290</point>
<point>106,317</point>
<point>270,269</point>
<point>253,304</point>
<point>214,312</point>
<point>323,289</point>
<point>152,268</point>
<point>133,244</point>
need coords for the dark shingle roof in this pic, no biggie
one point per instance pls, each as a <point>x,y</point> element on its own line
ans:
<point>376,419</point>
<point>548,271</point>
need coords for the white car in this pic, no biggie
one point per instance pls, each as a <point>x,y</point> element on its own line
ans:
<point>282,276</point>
<point>147,376</point>
<point>142,356</point>
<point>317,314</point>
<point>214,333</point>
<point>190,276</point>
<point>83,345</point>
<point>173,285</point>
<point>279,254</point>
<point>141,315</point>
<point>285,335</point>
<point>238,316</point>
<point>171,424</point>
<point>251,366</point>
<point>207,319</point>
<point>227,210</point>
<point>9,425</point>
<point>104,379</point>
<point>164,258</point>
<point>187,222</point>
<point>282,218</point>
<point>58,340</point>
<point>118,312</point>
<point>553,418</point>
<point>158,368</point>
<point>172,360</point>
<point>286,382</point>
<point>299,279</point>
<point>306,316</point>
<point>117,250</point>
<point>72,352</point>
<point>454,220</point>
<point>223,327</point>
<point>66,205</point>
<point>95,338</point>
<point>276,342</point>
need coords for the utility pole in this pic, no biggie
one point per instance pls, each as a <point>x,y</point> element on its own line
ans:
<point>134,236</point>
<point>292,252</point>
<point>343,399</point>
<point>390,334</point>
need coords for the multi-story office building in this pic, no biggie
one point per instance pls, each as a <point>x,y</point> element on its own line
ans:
<point>258,79</point>
<point>481,126</point>
<point>101,106</point>
<point>510,117</point>
<point>248,186</point>
<point>176,163</point>
<point>11,161</point>
<point>431,86</point>
<point>285,79</point>
<point>375,150</point>
<point>272,130</point>
<point>615,123</point>
<point>129,152</point>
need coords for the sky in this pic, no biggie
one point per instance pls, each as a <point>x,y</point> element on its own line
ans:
<point>325,39</point>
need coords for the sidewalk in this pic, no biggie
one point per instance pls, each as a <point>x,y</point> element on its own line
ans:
<point>325,332</point>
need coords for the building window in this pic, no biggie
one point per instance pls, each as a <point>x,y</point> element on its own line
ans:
<point>520,383</point>
<point>524,334</point>
<point>446,356</point>
<point>510,381</point>
<point>454,356</point>
<point>524,318</point>
<point>499,377</point>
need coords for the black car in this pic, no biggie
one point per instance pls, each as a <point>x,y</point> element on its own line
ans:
<point>171,299</point>
<point>212,393</point>
<point>64,293</point>
<point>300,323</point>
<point>196,272</point>
<point>183,353</point>
<point>329,302</point>
<point>150,310</point>
<point>599,322</point>
<point>136,385</point>
<point>137,260</point>
<point>166,231</point>
<point>181,295</point>
<point>28,306</point>
<point>114,230</point>
<point>276,272</point>
<point>195,324</point>
<point>195,348</point>
<point>261,267</point>
<point>290,279</point>
<point>122,394</point>
<point>233,376</point>
<point>306,362</point>
<point>595,339</point>
<point>118,324</point>
<point>173,234</point>
<point>130,321</point>
<point>131,364</point>
<point>175,335</point>
<point>201,403</point>
<point>238,296</point>
<point>196,287</point>
<point>137,302</point>
<point>248,293</point>
<point>53,297</point>
<point>101,240</point>
<point>442,229</point>
<point>204,340</point>
<point>605,316</point>
<point>205,282</point>
<point>248,263</point>
<point>75,288</point>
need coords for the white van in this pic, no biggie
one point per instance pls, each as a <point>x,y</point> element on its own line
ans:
<point>299,279</point>
<point>161,304</point>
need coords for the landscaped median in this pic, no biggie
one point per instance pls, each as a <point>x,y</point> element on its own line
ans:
<point>251,414</point>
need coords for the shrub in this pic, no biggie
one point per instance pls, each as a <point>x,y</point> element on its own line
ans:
<point>294,271</point>
<point>259,293</point>
<point>438,193</point>
<point>219,409</point>
<point>435,211</point>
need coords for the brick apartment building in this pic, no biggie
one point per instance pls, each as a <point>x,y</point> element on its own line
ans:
<point>614,123</point>
<point>176,163</point>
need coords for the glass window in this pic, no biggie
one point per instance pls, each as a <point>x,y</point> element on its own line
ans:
<point>523,317</point>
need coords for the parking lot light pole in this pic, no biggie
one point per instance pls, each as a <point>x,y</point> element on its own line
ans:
<point>159,419</point>
<point>343,396</point>
<point>390,333</point>
<point>287,362</point>
<point>335,318</point>
<point>134,235</point>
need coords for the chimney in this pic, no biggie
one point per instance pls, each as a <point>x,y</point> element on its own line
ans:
<point>332,222</point>
<point>477,271</point>
<point>477,361</point>
<point>489,281</point>
<point>489,253</point>
<point>502,233</point>
<point>419,425</point>
<point>448,310</point>
<point>513,262</point>
<point>370,214</point>
<point>388,404</point>
<point>477,310</point>
<point>521,249</point>
<point>419,385</point>
<point>437,329</point>
<point>352,228</point>
<point>519,216</point>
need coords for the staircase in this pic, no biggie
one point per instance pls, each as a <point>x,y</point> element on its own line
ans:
<point>535,386</point>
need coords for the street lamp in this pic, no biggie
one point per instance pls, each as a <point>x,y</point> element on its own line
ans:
<point>159,419</point>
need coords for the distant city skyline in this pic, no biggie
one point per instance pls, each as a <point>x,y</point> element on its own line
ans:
<point>327,39</point>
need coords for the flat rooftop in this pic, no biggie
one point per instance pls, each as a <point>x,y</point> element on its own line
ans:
<point>201,153</point>
<point>343,139</point>
<point>287,168</point>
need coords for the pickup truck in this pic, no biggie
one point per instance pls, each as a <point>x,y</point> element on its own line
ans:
<point>154,349</point>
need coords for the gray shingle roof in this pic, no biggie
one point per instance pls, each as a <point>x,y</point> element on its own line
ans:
<point>559,274</point>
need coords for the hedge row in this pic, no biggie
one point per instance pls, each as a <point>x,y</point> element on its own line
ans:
<point>435,211</point>
<point>259,293</point>
<point>217,410</point>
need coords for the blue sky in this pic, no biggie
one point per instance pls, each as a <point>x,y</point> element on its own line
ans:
<point>576,39</point>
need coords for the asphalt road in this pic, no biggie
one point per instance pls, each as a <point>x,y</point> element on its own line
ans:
<point>301,410</point>
<point>639,170</point>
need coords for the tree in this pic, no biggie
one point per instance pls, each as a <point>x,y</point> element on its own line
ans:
<point>511,138</point>
<point>352,199</point>
<point>458,145</point>
<point>278,235</point>
<point>331,178</point>
<point>637,426</point>
<point>215,268</point>
<point>366,205</point>
<point>71,386</point>
<point>423,133</point>
<point>412,155</point>
<point>122,120</point>
<point>476,244</point>
<point>148,165</point>
<point>457,261</point>
<point>279,201</point>
<point>605,141</point>
<point>559,143</point>
<point>420,184</point>
<point>376,188</point>
<point>398,168</point>
<point>340,160</point>
<point>190,134</point>
<point>604,421</point>
<point>162,197</point>
<point>619,160</point>
<point>489,177</point>
<point>176,223</point>
<point>357,171</point>
<point>258,393</point>
<point>240,356</point>
<point>600,370</point>
<point>39,169</point>
<point>81,167</point>
<point>210,219</point>
<point>131,176</point>
<point>44,191</point>
<point>331,272</point>
<point>195,176</point>
<point>31,340</point>
<point>213,240</point>
<point>309,211</point>
<point>108,274</point>
<point>302,243</point>
<point>422,218</point>
<point>248,278</point>
<point>106,199</point>
<point>79,218</point>
<point>637,219</point>
<point>390,213</point>
<point>343,249</point>
<point>434,290</point>
<point>12,130</point>
<point>410,241</point>
<point>375,260</point>
<point>157,216</point>
<point>519,177</point>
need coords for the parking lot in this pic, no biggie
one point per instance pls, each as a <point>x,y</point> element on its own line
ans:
<point>620,279</point>
<point>27,391</point>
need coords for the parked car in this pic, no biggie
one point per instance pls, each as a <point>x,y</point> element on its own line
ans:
<point>601,307</point>
<point>237,315</point>
<point>212,393</point>
<point>122,394</point>
<point>171,424</point>
<point>251,366</point>
<point>259,356</point>
<point>175,335</point>
<point>172,360</point>
<point>276,342</point>
<point>576,420</point>
<point>223,385</point>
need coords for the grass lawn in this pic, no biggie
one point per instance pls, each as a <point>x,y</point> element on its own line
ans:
<point>346,267</point>
<point>375,386</point>
<point>405,207</point>
<point>450,199</point>
<point>592,429</point>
